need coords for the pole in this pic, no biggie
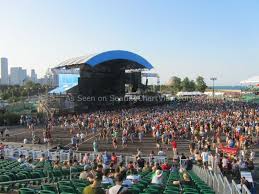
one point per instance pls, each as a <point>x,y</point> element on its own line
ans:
<point>213,79</point>
<point>213,91</point>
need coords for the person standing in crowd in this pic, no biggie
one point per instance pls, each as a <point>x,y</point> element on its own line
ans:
<point>7,133</point>
<point>106,160</point>
<point>2,132</point>
<point>95,146</point>
<point>174,147</point>
<point>205,157</point>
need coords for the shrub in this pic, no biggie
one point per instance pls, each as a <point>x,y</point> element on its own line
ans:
<point>9,118</point>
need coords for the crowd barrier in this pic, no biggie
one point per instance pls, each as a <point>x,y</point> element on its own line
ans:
<point>156,159</point>
<point>79,156</point>
<point>14,153</point>
<point>218,182</point>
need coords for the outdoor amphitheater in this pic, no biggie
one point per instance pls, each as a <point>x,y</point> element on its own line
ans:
<point>190,145</point>
<point>56,166</point>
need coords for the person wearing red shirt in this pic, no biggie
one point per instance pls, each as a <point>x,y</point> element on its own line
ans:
<point>114,159</point>
<point>165,166</point>
<point>174,146</point>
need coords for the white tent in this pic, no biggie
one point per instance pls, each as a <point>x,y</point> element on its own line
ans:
<point>189,93</point>
<point>251,81</point>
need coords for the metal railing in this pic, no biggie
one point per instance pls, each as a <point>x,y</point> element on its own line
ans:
<point>14,153</point>
<point>63,155</point>
<point>219,183</point>
<point>92,155</point>
<point>245,190</point>
<point>235,188</point>
<point>156,159</point>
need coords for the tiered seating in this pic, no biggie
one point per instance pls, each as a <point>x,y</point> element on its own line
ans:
<point>142,184</point>
<point>201,186</point>
<point>74,186</point>
<point>46,180</point>
<point>198,187</point>
<point>170,188</point>
<point>22,177</point>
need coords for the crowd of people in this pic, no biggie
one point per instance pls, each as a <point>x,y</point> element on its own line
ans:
<point>208,126</point>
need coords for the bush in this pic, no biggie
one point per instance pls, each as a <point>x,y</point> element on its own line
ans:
<point>9,118</point>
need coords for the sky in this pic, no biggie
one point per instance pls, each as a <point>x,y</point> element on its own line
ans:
<point>178,37</point>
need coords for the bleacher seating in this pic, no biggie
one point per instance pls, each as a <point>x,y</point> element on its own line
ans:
<point>46,180</point>
<point>19,177</point>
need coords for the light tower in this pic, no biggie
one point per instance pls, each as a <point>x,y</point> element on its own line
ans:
<point>213,80</point>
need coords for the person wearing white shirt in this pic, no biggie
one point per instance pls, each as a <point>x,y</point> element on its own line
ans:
<point>106,179</point>
<point>158,177</point>
<point>161,152</point>
<point>25,141</point>
<point>252,155</point>
<point>82,136</point>
<point>118,188</point>
<point>224,162</point>
<point>205,157</point>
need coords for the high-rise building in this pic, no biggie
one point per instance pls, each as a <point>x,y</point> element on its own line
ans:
<point>23,76</point>
<point>4,71</point>
<point>18,76</point>
<point>15,75</point>
<point>33,76</point>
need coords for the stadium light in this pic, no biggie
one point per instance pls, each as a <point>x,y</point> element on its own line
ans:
<point>213,80</point>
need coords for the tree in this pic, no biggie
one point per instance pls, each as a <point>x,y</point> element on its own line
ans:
<point>200,84</point>
<point>188,85</point>
<point>185,84</point>
<point>192,86</point>
<point>175,83</point>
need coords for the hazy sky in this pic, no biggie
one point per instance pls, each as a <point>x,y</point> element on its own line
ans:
<point>183,38</point>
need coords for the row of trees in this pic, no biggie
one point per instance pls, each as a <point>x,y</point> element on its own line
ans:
<point>15,93</point>
<point>187,85</point>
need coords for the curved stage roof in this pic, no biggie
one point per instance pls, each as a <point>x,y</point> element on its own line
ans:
<point>99,58</point>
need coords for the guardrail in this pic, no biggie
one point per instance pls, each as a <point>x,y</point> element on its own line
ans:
<point>157,159</point>
<point>36,154</point>
<point>218,182</point>
<point>79,156</point>
<point>245,190</point>
<point>63,155</point>
<point>235,188</point>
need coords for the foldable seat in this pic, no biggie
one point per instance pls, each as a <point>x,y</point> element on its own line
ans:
<point>5,187</point>
<point>26,191</point>
<point>46,192</point>
<point>48,187</point>
<point>68,189</point>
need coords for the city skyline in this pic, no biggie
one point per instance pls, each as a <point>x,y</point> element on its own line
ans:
<point>180,38</point>
<point>15,75</point>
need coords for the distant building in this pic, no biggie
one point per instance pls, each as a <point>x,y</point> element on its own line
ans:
<point>4,71</point>
<point>48,79</point>
<point>33,76</point>
<point>23,76</point>
<point>18,76</point>
<point>14,75</point>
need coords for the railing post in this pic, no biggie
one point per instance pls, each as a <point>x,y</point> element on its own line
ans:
<point>70,173</point>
